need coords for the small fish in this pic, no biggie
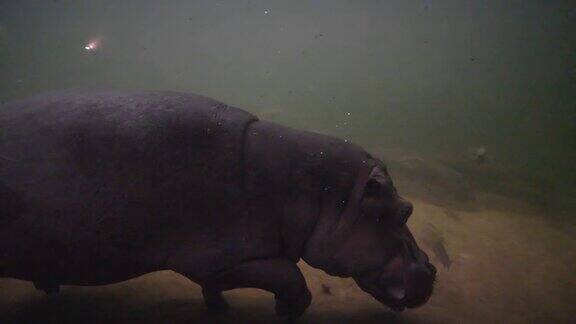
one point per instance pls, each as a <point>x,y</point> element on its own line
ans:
<point>440,251</point>
<point>432,238</point>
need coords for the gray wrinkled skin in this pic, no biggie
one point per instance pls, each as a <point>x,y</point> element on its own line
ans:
<point>100,187</point>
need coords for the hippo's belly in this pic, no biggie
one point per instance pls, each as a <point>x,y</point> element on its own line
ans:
<point>110,182</point>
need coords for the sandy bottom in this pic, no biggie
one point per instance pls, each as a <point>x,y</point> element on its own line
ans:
<point>504,268</point>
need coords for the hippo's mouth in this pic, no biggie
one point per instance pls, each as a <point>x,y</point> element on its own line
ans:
<point>401,284</point>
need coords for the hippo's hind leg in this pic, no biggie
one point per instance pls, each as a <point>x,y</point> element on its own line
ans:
<point>280,276</point>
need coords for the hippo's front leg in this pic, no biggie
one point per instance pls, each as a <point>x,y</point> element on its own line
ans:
<point>279,276</point>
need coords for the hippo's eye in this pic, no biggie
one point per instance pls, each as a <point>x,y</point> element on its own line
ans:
<point>388,190</point>
<point>373,188</point>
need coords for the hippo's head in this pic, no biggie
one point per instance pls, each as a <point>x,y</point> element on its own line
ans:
<point>371,242</point>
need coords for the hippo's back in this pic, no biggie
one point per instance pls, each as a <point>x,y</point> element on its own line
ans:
<point>114,172</point>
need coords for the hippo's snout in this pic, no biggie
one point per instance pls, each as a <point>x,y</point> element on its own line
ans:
<point>404,282</point>
<point>419,284</point>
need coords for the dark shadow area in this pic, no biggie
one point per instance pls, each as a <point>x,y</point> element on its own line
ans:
<point>86,309</point>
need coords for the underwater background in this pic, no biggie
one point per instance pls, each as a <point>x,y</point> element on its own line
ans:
<point>471,103</point>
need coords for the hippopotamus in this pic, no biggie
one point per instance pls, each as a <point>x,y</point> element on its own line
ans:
<point>98,187</point>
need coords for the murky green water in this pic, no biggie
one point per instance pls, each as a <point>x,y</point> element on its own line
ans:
<point>428,85</point>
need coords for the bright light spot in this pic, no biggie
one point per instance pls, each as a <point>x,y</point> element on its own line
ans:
<point>92,45</point>
<point>266,12</point>
<point>348,113</point>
